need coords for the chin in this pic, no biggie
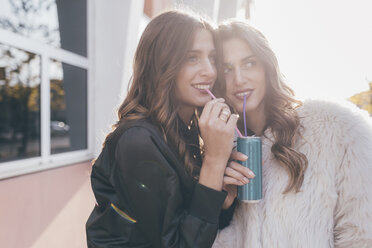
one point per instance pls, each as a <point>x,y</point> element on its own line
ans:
<point>248,108</point>
<point>239,108</point>
<point>201,102</point>
<point>252,108</point>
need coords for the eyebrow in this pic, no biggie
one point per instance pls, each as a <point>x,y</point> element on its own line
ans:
<point>244,60</point>
<point>199,51</point>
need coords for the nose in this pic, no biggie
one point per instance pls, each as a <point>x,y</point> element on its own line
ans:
<point>208,68</point>
<point>238,77</point>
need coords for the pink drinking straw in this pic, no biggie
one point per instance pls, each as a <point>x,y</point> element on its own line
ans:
<point>213,97</point>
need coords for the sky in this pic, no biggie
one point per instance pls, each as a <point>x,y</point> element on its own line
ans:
<point>324,47</point>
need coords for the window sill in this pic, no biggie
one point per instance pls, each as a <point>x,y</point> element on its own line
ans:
<point>32,165</point>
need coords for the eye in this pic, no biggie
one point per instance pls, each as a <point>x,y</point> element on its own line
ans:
<point>249,64</point>
<point>227,69</point>
<point>192,58</point>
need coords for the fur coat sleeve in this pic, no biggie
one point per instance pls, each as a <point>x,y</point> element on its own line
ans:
<point>353,180</point>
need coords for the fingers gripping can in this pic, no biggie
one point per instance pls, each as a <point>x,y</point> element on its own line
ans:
<point>252,147</point>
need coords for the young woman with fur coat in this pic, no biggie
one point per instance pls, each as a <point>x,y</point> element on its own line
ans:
<point>317,157</point>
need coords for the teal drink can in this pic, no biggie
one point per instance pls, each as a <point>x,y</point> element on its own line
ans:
<point>252,147</point>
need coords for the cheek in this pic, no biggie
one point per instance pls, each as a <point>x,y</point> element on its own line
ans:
<point>231,100</point>
<point>229,79</point>
<point>228,94</point>
<point>214,72</point>
<point>262,93</point>
<point>182,80</point>
<point>178,87</point>
<point>188,73</point>
<point>261,82</point>
<point>181,76</point>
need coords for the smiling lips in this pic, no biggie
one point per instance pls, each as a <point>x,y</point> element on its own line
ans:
<point>202,86</point>
<point>240,94</point>
<point>246,92</point>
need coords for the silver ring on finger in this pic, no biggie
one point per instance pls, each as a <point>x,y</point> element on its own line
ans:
<point>225,114</point>
<point>223,117</point>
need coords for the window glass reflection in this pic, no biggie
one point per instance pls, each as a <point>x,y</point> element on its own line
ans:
<point>19,104</point>
<point>59,23</point>
<point>68,93</point>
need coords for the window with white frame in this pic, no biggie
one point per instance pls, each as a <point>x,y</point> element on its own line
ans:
<point>43,84</point>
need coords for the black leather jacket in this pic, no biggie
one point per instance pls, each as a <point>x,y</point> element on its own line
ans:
<point>145,198</point>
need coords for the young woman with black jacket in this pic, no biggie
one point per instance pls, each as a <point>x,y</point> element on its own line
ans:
<point>153,185</point>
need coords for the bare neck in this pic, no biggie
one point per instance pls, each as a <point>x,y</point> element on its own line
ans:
<point>186,114</point>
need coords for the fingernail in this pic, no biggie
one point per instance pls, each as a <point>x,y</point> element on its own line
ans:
<point>245,180</point>
<point>245,157</point>
<point>251,174</point>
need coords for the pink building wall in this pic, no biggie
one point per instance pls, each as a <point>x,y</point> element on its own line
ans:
<point>46,209</point>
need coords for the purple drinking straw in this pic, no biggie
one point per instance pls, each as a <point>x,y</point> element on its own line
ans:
<point>245,122</point>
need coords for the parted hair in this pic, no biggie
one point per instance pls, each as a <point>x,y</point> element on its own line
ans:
<point>160,54</point>
<point>280,104</point>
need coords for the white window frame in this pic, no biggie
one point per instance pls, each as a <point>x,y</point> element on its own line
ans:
<point>47,53</point>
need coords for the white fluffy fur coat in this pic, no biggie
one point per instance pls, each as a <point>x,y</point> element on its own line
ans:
<point>334,206</point>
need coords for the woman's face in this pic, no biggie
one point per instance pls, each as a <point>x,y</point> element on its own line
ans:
<point>245,76</point>
<point>197,73</point>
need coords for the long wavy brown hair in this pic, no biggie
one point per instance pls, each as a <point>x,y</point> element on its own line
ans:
<point>160,54</point>
<point>280,104</point>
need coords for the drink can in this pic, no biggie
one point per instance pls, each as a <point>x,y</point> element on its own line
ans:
<point>252,147</point>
